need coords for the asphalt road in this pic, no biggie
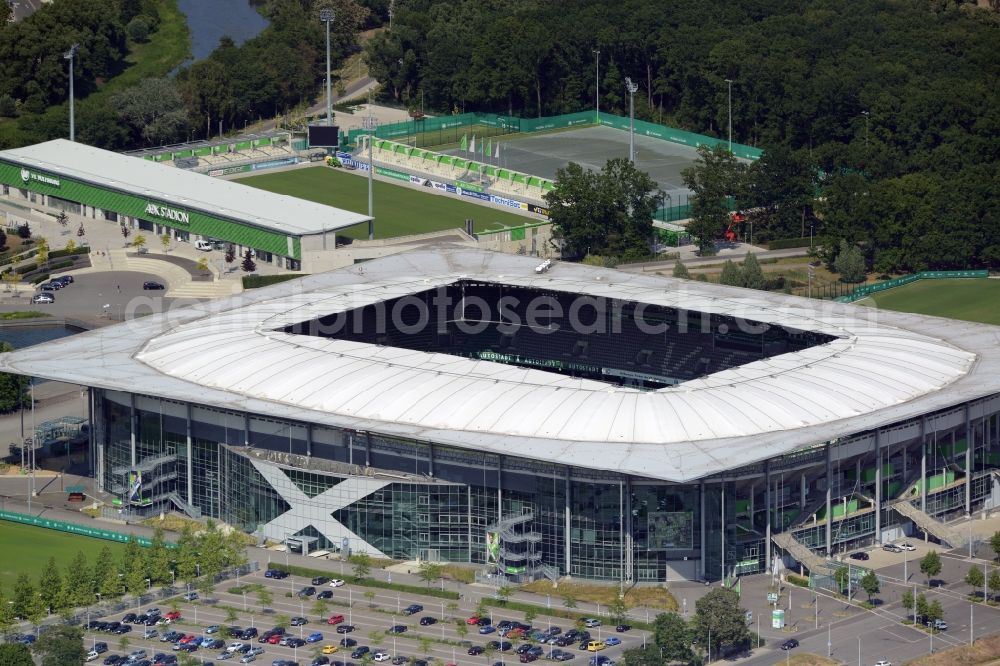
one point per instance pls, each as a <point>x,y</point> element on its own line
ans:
<point>121,291</point>
<point>370,617</point>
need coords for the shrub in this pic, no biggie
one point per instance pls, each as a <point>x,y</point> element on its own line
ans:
<point>138,29</point>
<point>368,582</point>
<point>801,581</point>
<point>785,243</point>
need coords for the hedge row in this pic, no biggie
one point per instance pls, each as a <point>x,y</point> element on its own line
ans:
<point>83,249</point>
<point>785,243</point>
<point>801,581</point>
<point>255,281</point>
<point>368,582</point>
<point>524,607</point>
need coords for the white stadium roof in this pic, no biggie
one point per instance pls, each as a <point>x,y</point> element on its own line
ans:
<point>186,189</point>
<point>880,368</point>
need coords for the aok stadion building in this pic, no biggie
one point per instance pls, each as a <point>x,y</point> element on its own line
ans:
<point>146,196</point>
<point>466,406</point>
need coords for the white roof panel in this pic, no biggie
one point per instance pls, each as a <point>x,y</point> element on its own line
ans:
<point>184,189</point>
<point>879,368</point>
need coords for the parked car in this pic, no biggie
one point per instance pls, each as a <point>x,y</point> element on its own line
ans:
<point>335,619</point>
<point>307,591</point>
<point>622,628</point>
<point>152,285</point>
<point>190,596</point>
<point>427,621</point>
<point>591,622</point>
<point>412,608</point>
<point>488,629</point>
<point>906,546</point>
<point>892,548</point>
<point>860,555</point>
<point>320,580</point>
<point>789,644</point>
<point>43,297</point>
<point>611,641</point>
<point>336,582</point>
<point>345,628</point>
<point>325,594</point>
<point>314,637</point>
<point>397,629</point>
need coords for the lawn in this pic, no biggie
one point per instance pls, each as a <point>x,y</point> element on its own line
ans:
<point>399,211</point>
<point>969,299</point>
<point>646,596</point>
<point>27,549</point>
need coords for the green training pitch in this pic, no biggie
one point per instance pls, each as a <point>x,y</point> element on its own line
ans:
<point>27,549</point>
<point>399,211</point>
<point>969,299</point>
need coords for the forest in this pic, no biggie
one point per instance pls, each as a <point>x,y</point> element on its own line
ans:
<point>887,112</point>
<point>879,118</point>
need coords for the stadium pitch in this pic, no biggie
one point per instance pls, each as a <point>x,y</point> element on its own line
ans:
<point>399,210</point>
<point>970,300</point>
<point>27,549</point>
<point>541,154</point>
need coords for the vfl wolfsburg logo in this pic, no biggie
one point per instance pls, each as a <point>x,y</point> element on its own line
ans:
<point>25,175</point>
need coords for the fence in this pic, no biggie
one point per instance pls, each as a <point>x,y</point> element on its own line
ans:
<point>71,528</point>
<point>443,130</point>
<point>868,289</point>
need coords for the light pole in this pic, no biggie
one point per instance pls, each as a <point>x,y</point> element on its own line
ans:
<point>866,114</point>
<point>631,88</point>
<point>597,85</point>
<point>326,16</point>
<point>729,84</point>
<point>370,124</point>
<point>71,56</point>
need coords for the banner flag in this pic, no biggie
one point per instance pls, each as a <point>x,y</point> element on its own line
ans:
<point>472,145</point>
<point>465,142</point>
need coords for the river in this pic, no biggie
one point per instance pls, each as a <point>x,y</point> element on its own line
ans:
<point>210,20</point>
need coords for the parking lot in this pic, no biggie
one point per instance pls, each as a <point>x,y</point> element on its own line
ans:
<point>379,620</point>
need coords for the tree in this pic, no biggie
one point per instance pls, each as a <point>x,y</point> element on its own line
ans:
<point>719,612</point>
<point>994,583</point>
<point>753,275</point>
<point>43,251</point>
<point>6,614</point>
<point>282,620</point>
<point>714,178</point>
<point>320,608</point>
<point>186,555</point>
<point>248,265</point>
<point>530,615</point>
<point>995,543</point>
<point>569,601</point>
<point>230,255</point>
<point>50,586</point>
<point>934,610</point>
<point>24,596</point>
<point>138,30</point>
<point>165,242</point>
<point>907,601</point>
<point>139,241</point>
<point>503,593</point>
<point>429,572</point>
<point>922,607</point>
<point>61,645</point>
<point>24,231</point>
<point>870,584</point>
<point>930,565</point>
<point>14,389</point>
<point>158,558</point>
<point>462,629</point>
<point>109,585</point>
<point>264,597</point>
<point>650,656</point>
<point>681,271</point>
<point>673,635</point>
<point>153,112</point>
<point>8,107</point>
<point>850,263</point>
<point>70,246</point>
<point>617,610</point>
<point>126,232</point>
<point>235,550</point>
<point>975,579</point>
<point>362,564</point>
<point>232,614</point>
<point>608,213</point>
<point>202,264</point>
<point>79,582</point>
<point>370,596</point>
<point>133,565</point>
<point>212,557</point>
<point>731,274</point>
<point>15,654</point>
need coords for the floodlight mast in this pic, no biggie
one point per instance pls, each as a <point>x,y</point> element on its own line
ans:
<point>631,88</point>
<point>326,16</point>
<point>71,55</point>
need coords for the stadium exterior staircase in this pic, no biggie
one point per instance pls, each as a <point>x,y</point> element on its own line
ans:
<point>929,524</point>
<point>802,553</point>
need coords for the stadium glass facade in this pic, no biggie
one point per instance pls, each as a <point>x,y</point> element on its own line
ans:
<point>408,499</point>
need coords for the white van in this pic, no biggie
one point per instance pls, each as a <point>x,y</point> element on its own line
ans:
<point>203,245</point>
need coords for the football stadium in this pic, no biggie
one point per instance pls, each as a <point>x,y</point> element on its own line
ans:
<point>543,420</point>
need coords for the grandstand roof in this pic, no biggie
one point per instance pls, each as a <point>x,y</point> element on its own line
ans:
<point>145,178</point>
<point>881,368</point>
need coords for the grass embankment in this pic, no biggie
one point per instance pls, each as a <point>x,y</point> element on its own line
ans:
<point>23,314</point>
<point>636,597</point>
<point>984,652</point>
<point>969,299</point>
<point>399,211</point>
<point>26,549</point>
